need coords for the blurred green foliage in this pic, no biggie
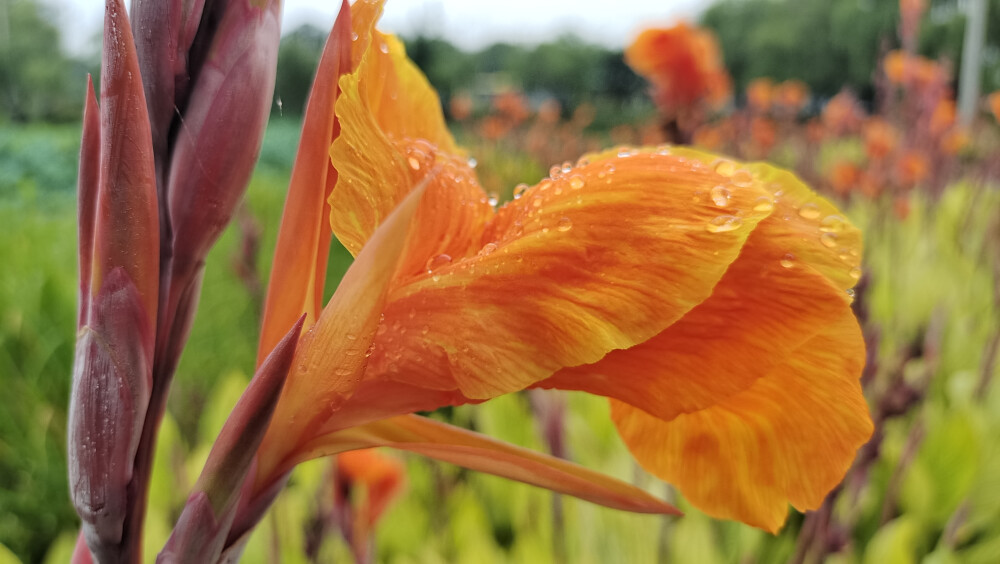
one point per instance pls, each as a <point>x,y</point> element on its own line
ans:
<point>829,44</point>
<point>38,82</point>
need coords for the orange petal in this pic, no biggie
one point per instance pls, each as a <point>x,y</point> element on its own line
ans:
<point>472,450</point>
<point>332,355</point>
<point>303,247</point>
<point>386,101</point>
<point>603,257</point>
<point>766,312</point>
<point>789,438</point>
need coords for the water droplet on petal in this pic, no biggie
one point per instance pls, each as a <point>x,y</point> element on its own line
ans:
<point>576,182</point>
<point>537,203</point>
<point>493,199</point>
<point>354,37</point>
<point>472,162</point>
<point>384,47</point>
<point>488,249</point>
<point>725,167</point>
<point>855,273</point>
<point>850,292</point>
<point>414,163</point>
<point>720,196</point>
<point>625,152</point>
<point>519,190</point>
<point>565,224</point>
<point>763,204</point>
<point>829,240</point>
<point>810,211</point>
<point>723,223</point>
<point>555,171</point>
<point>833,224</point>
<point>437,262</point>
<point>567,166</point>
<point>788,260</point>
<point>742,178</point>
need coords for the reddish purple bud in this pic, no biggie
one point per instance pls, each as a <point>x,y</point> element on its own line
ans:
<point>119,285</point>
<point>200,533</point>
<point>219,138</point>
<point>111,387</point>
<point>87,190</point>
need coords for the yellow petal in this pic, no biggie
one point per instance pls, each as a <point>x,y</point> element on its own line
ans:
<point>384,103</point>
<point>789,438</point>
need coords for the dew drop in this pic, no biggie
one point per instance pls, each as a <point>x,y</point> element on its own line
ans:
<point>567,167</point>
<point>855,273</point>
<point>720,196</point>
<point>788,260</point>
<point>742,178</point>
<point>625,152</point>
<point>833,224</point>
<point>384,47</point>
<point>493,199</point>
<point>663,150</point>
<point>724,167</point>
<point>576,182</point>
<point>436,278</point>
<point>536,203</point>
<point>472,162</point>
<point>565,224</point>
<point>723,223</point>
<point>763,204</point>
<point>414,163</point>
<point>354,37</point>
<point>829,240</point>
<point>519,190</point>
<point>582,161</point>
<point>437,262</point>
<point>488,249</point>
<point>850,292</point>
<point>555,171</point>
<point>810,211</point>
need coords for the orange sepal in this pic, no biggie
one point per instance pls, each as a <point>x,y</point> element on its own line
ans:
<point>332,355</point>
<point>602,257</point>
<point>477,452</point>
<point>302,250</point>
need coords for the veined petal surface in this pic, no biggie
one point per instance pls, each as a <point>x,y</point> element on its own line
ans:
<point>775,346</point>
<point>602,257</point>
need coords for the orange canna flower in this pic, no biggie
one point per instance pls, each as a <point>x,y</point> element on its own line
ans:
<point>792,95</point>
<point>943,116</point>
<point>881,138</point>
<point>371,481</point>
<point>994,103</point>
<point>763,134</point>
<point>843,113</point>
<point>760,94</point>
<point>954,141</point>
<point>460,107</point>
<point>512,105</point>
<point>713,314</point>
<point>550,111</point>
<point>912,168</point>
<point>684,65</point>
<point>844,177</point>
<point>902,68</point>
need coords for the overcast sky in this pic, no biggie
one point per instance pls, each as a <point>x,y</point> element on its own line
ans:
<point>469,23</point>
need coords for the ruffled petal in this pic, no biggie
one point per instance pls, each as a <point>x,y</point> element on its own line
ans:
<point>789,438</point>
<point>771,309</point>
<point>601,257</point>
<point>383,105</point>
